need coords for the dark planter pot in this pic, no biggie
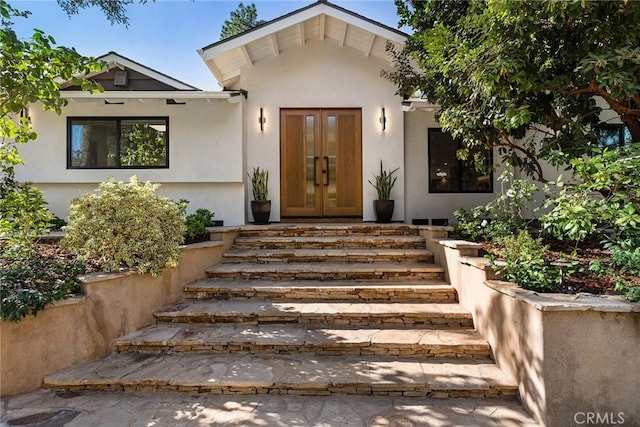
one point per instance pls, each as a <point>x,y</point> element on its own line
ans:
<point>261,210</point>
<point>384,210</point>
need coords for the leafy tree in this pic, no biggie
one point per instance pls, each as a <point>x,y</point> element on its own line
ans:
<point>28,69</point>
<point>29,72</point>
<point>523,76</point>
<point>241,19</point>
<point>114,10</point>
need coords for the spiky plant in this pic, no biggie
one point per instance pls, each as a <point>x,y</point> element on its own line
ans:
<point>259,183</point>
<point>384,182</point>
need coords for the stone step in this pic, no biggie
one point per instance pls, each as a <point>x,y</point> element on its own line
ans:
<point>287,374</point>
<point>329,242</point>
<point>344,229</point>
<point>296,339</point>
<point>327,271</point>
<point>361,315</point>
<point>375,291</point>
<point>265,256</point>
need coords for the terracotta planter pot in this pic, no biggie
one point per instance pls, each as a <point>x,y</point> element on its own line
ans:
<point>384,210</point>
<point>261,210</point>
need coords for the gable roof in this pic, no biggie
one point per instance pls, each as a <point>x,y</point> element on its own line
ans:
<point>115,60</point>
<point>321,21</point>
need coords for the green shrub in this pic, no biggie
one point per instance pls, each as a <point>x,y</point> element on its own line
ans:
<point>472,225</point>
<point>23,213</point>
<point>57,223</point>
<point>198,222</point>
<point>29,281</point>
<point>525,264</point>
<point>605,201</point>
<point>126,225</point>
<point>624,265</point>
<point>505,216</point>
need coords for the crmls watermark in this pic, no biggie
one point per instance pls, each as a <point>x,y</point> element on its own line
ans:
<point>599,418</point>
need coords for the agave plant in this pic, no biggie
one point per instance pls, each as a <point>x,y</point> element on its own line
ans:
<point>384,182</point>
<point>259,184</point>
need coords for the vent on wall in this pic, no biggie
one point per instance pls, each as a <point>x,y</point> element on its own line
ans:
<point>120,79</point>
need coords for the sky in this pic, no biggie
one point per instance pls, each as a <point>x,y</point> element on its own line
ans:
<point>165,35</point>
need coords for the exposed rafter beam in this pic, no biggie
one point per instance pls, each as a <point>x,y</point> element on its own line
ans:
<point>322,24</point>
<point>343,37</point>
<point>274,44</point>
<point>301,35</point>
<point>369,45</point>
<point>245,55</point>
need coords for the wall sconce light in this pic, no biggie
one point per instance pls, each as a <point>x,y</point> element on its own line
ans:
<point>262,120</point>
<point>24,113</point>
<point>383,119</point>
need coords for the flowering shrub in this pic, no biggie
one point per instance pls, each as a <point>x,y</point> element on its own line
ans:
<point>126,225</point>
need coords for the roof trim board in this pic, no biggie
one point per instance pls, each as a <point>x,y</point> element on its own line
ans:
<point>298,16</point>
<point>114,59</point>
<point>318,21</point>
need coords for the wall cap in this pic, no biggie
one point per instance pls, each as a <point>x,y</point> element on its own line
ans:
<point>435,227</point>
<point>565,302</point>
<point>458,244</point>
<point>477,261</point>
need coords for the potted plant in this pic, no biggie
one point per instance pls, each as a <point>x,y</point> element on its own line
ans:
<point>383,183</point>
<point>260,206</point>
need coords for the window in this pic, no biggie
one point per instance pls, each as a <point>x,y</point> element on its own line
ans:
<point>448,174</point>
<point>613,136</point>
<point>111,143</point>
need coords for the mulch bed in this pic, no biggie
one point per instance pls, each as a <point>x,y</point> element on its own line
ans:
<point>580,281</point>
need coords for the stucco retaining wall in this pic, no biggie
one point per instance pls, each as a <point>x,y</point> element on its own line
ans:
<point>575,357</point>
<point>81,329</point>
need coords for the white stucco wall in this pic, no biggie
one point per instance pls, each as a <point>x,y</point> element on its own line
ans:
<point>322,74</point>
<point>205,155</point>
<point>420,204</point>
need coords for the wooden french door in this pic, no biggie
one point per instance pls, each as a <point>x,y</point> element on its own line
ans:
<point>321,162</point>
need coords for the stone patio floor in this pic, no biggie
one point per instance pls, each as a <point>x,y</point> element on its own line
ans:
<point>117,409</point>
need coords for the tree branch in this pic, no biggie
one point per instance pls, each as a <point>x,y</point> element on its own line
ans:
<point>527,153</point>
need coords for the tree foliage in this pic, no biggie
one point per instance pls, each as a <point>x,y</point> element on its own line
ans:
<point>241,19</point>
<point>29,70</point>
<point>114,10</point>
<point>523,76</point>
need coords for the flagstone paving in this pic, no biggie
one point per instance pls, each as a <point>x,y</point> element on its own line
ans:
<point>117,409</point>
<point>278,330</point>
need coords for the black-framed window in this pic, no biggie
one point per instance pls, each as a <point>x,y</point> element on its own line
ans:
<point>117,142</point>
<point>448,174</point>
<point>613,135</point>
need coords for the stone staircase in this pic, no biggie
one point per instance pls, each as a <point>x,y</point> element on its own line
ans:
<point>308,310</point>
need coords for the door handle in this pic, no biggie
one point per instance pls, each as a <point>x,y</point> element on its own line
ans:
<point>316,159</point>
<point>326,171</point>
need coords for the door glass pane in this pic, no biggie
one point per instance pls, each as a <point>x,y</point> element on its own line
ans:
<point>332,144</point>
<point>310,160</point>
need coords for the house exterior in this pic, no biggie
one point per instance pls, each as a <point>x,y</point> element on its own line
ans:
<point>302,98</point>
